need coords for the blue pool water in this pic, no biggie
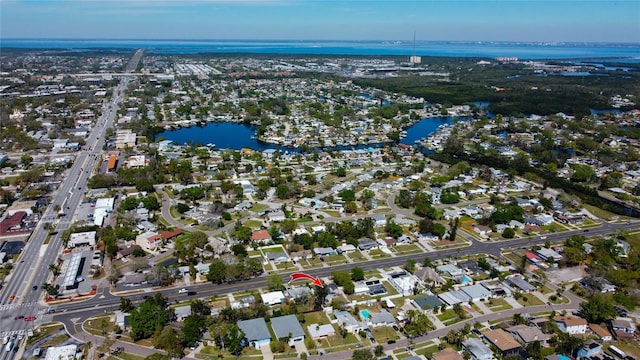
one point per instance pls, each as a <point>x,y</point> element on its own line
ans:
<point>466,279</point>
<point>563,357</point>
<point>365,314</point>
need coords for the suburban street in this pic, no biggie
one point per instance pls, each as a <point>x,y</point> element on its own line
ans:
<point>73,314</point>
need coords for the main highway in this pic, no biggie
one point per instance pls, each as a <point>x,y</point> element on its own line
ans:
<point>33,267</point>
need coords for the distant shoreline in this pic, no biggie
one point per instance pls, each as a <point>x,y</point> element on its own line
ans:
<point>475,49</point>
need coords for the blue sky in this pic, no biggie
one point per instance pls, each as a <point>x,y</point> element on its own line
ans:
<point>517,20</point>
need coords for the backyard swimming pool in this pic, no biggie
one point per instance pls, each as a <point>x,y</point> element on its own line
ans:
<point>364,314</point>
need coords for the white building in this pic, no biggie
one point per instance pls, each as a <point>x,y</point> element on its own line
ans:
<point>84,238</point>
<point>273,298</point>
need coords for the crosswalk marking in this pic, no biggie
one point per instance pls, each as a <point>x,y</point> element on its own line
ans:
<point>14,306</point>
<point>13,332</point>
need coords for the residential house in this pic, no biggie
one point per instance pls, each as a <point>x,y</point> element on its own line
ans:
<point>428,304</point>
<point>505,343</point>
<point>518,282</point>
<point>287,327</point>
<point>277,256</point>
<point>477,349</point>
<point>482,230</point>
<point>125,252</point>
<point>623,327</point>
<point>453,297</point>
<point>447,354</point>
<point>299,292</point>
<point>256,332</point>
<point>276,216</point>
<point>588,350</point>
<point>261,236</point>
<point>323,251</point>
<point>367,244</point>
<point>450,270</point>
<point>403,282</point>
<point>182,312</point>
<point>548,254</point>
<point>571,324</point>
<point>346,320</point>
<point>526,334</point>
<point>300,255</point>
<point>383,318</point>
<point>149,241</point>
<point>346,249</point>
<point>600,332</point>
<point>273,298</point>
<point>428,275</point>
<point>320,331</point>
<point>476,292</point>
<point>379,220</point>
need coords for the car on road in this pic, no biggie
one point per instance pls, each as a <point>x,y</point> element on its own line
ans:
<point>183,291</point>
<point>18,317</point>
<point>12,297</point>
<point>34,287</point>
<point>30,318</point>
<point>51,311</point>
<point>191,293</point>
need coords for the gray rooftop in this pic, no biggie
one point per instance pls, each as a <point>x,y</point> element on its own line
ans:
<point>477,348</point>
<point>383,317</point>
<point>284,325</point>
<point>254,329</point>
<point>428,302</point>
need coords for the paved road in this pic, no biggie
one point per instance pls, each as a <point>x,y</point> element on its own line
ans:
<point>32,268</point>
<point>75,313</point>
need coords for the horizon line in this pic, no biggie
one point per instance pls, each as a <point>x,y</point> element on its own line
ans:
<point>563,42</point>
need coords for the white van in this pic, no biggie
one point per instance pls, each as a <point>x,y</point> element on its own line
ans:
<point>9,346</point>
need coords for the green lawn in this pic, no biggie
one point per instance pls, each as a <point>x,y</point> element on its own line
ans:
<point>338,343</point>
<point>384,333</point>
<point>447,315</point>
<point>335,259</point>
<point>311,263</point>
<point>596,211</point>
<point>406,249</point>
<point>497,304</point>
<point>55,341</point>
<point>427,351</point>
<point>377,254</point>
<point>253,224</point>
<point>356,256</point>
<point>317,317</point>
<point>530,300</point>
<point>259,207</point>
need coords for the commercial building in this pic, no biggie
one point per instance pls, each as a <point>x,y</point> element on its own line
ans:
<point>87,238</point>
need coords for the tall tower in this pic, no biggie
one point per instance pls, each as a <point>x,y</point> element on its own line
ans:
<point>415,59</point>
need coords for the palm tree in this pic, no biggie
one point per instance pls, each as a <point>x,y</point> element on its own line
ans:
<point>54,269</point>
